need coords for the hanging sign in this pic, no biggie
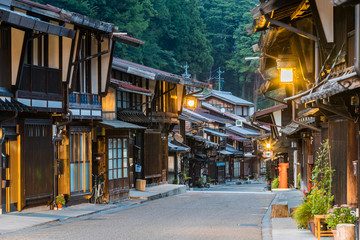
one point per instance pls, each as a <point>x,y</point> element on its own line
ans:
<point>268,154</point>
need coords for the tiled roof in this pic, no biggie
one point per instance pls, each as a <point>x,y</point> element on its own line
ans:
<point>233,150</point>
<point>235,137</point>
<point>228,97</point>
<point>176,147</point>
<point>226,114</point>
<point>129,86</point>
<point>120,125</point>
<point>133,116</point>
<point>214,118</point>
<point>243,131</point>
<point>270,110</point>
<point>127,39</point>
<point>195,115</point>
<point>13,105</point>
<point>155,74</point>
<point>216,133</point>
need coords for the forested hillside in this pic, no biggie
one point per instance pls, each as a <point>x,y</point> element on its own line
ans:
<point>207,34</point>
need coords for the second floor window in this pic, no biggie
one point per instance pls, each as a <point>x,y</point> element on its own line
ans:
<point>130,101</point>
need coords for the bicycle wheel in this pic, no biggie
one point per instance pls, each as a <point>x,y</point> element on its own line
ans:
<point>92,198</point>
<point>100,197</point>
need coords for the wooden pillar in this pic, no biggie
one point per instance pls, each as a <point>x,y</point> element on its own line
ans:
<point>1,178</point>
<point>242,165</point>
<point>352,156</point>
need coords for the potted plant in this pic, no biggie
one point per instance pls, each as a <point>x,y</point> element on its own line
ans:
<point>268,179</point>
<point>318,199</point>
<point>275,183</point>
<point>337,215</point>
<point>60,201</point>
<point>201,182</point>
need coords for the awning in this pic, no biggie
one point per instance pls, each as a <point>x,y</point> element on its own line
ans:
<point>128,87</point>
<point>243,131</point>
<point>233,150</point>
<point>216,133</point>
<point>22,20</point>
<point>237,138</point>
<point>11,105</point>
<point>178,148</point>
<point>224,152</point>
<point>120,125</point>
<point>249,155</point>
<point>291,128</point>
<point>341,81</point>
<point>133,116</point>
<point>207,143</point>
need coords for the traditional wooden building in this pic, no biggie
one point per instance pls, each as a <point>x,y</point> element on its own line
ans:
<point>229,102</point>
<point>141,108</point>
<point>319,42</point>
<point>55,66</point>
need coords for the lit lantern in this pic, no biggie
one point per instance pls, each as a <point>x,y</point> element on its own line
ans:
<point>191,103</point>
<point>286,75</point>
<point>286,65</point>
<point>268,146</point>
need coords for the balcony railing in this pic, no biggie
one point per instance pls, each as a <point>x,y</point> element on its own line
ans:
<point>41,80</point>
<point>84,99</point>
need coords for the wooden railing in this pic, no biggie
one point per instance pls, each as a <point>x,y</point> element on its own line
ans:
<point>36,79</point>
<point>84,98</point>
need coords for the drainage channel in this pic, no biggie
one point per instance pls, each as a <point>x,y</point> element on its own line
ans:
<point>248,225</point>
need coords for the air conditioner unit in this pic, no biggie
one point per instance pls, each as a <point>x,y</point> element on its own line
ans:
<point>239,123</point>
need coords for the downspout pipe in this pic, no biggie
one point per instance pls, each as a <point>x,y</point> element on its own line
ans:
<point>357,39</point>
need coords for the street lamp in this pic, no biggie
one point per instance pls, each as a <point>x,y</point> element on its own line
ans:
<point>268,146</point>
<point>286,65</point>
<point>191,102</point>
<point>286,75</point>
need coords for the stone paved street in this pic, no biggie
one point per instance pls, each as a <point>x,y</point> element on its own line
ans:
<point>221,214</point>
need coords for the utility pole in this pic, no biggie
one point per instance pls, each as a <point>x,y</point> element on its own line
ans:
<point>186,75</point>
<point>220,79</point>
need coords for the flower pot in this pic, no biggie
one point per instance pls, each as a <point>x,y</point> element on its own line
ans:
<point>59,206</point>
<point>312,226</point>
<point>334,231</point>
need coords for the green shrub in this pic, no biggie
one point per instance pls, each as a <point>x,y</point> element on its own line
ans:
<point>208,179</point>
<point>298,181</point>
<point>302,214</point>
<point>275,183</point>
<point>201,181</point>
<point>175,181</point>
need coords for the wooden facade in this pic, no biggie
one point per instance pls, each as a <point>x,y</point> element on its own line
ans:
<point>54,69</point>
<point>327,62</point>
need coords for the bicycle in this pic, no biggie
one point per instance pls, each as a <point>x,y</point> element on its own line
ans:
<point>97,194</point>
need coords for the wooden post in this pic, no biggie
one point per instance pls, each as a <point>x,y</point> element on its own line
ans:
<point>242,165</point>
<point>0,177</point>
<point>345,231</point>
<point>279,211</point>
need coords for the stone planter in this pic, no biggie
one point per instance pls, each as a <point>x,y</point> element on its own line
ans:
<point>345,231</point>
